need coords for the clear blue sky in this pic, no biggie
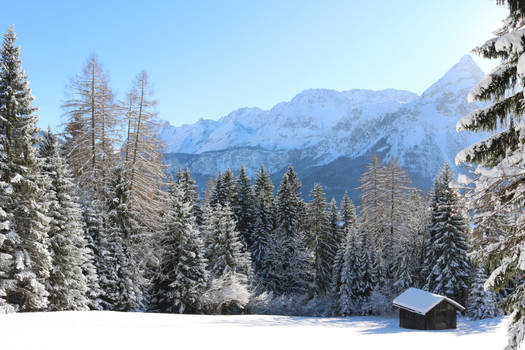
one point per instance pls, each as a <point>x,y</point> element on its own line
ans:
<point>207,58</point>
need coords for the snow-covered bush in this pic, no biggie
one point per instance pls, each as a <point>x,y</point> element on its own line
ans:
<point>227,294</point>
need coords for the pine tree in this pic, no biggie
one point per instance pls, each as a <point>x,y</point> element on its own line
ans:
<point>7,239</point>
<point>263,246</point>
<point>294,268</point>
<point>447,241</point>
<point>368,270</point>
<point>124,233</point>
<point>225,192</point>
<point>322,242</point>
<point>228,264</point>
<point>191,196</point>
<point>181,279</point>
<point>244,210</point>
<point>224,250</point>
<point>481,303</point>
<point>67,284</point>
<point>348,212</point>
<point>103,248</point>
<point>503,152</point>
<point>28,243</point>
<point>349,279</point>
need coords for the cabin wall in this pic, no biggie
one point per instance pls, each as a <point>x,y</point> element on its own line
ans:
<point>442,316</point>
<point>411,320</point>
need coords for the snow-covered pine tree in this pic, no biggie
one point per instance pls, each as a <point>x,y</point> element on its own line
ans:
<point>320,239</point>
<point>7,260</point>
<point>349,217</point>
<point>224,250</point>
<point>368,270</point>
<point>348,212</point>
<point>336,234</point>
<point>189,188</point>
<point>262,248</point>
<point>208,191</point>
<point>503,185</point>
<point>124,232</point>
<point>103,248</point>
<point>29,242</point>
<point>294,265</point>
<point>481,302</point>
<point>225,192</point>
<point>244,209</point>
<point>181,280</point>
<point>229,264</point>
<point>402,270</point>
<point>348,295</point>
<point>450,267</point>
<point>67,284</point>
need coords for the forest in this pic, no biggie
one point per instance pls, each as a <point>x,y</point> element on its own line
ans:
<point>90,219</point>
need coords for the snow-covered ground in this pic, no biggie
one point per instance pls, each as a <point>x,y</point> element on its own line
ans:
<point>116,331</point>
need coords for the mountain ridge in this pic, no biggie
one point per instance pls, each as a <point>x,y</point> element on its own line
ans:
<point>319,128</point>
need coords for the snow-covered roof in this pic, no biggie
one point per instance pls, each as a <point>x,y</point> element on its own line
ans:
<point>420,301</point>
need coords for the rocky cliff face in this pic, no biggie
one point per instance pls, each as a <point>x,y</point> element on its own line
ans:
<point>329,136</point>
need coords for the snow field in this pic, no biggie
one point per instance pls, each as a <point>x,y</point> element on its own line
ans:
<point>96,330</point>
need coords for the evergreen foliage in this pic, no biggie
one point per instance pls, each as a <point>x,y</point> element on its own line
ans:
<point>446,247</point>
<point>263,246</point>
<point>294,269</point>
<point>244,209</point>
<point>67,284</point>
<point>481,303</point>
<point>24,279</point>
<point>181,280</point>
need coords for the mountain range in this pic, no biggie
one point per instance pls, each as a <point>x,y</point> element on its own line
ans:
<point>329,136</point>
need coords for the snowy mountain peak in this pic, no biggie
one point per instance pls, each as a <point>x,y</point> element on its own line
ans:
<point>331,130</point>
<point>455,84</point>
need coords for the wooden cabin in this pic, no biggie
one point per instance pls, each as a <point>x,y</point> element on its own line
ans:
<point>419,309</point>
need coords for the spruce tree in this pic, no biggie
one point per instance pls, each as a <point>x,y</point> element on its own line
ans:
<point>349,280</point>
<point>348,213</point>
<point>294,268</point>
<point>228,264</point>
<point>28,243</point>
<point>319,234</point>
<point>7,259</point>
<point>244,209</point>
<point>67,284</point>
<point>481,303</point>
<point>102,246</point>
<point>189,189</point>
<point>124,232</point>
<point>225,192</point>
<point>224,250</point>
<point>450,266</point>
<point>263,245</point>
<point>503,152</point>
<point>181,280</point>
